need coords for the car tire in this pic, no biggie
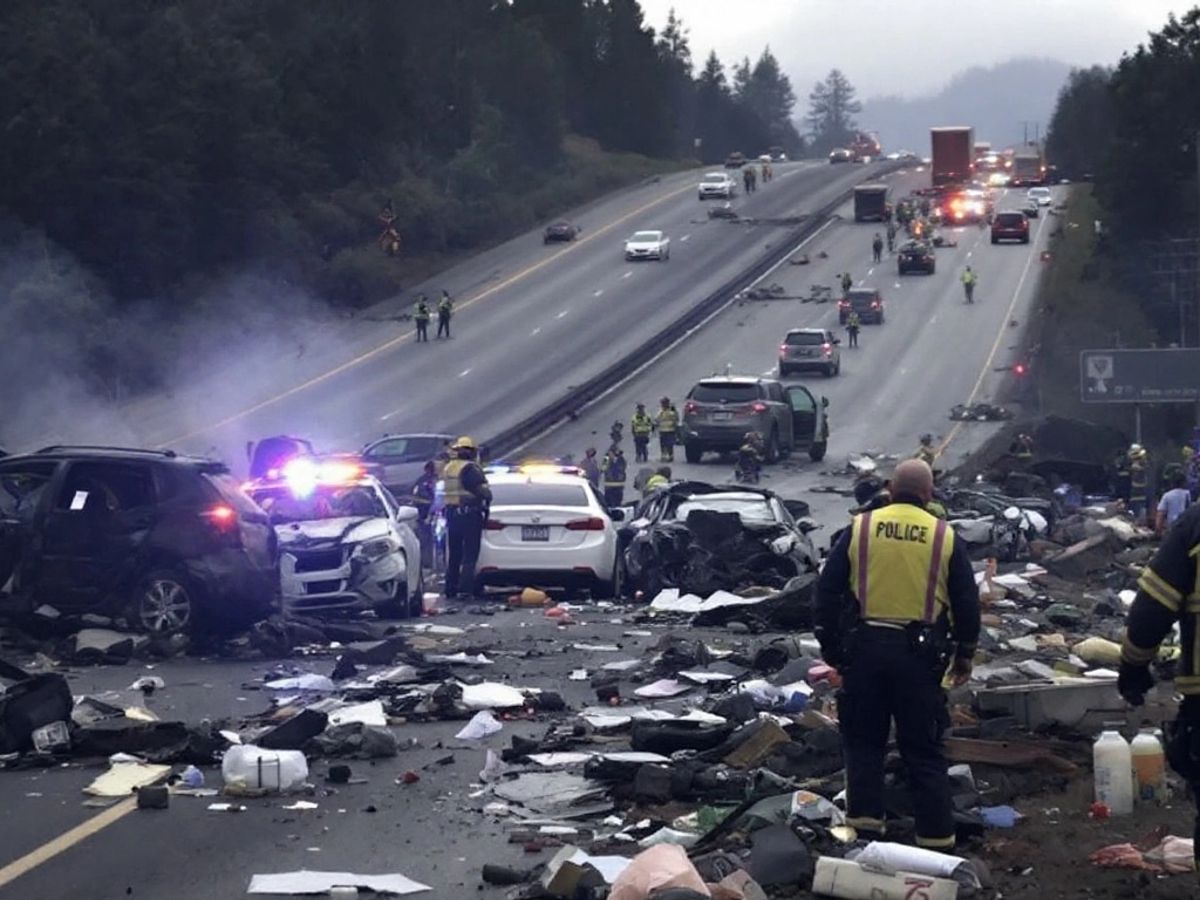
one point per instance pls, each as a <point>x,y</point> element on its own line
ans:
<point>816,451</point>
<point>932,269</point>
<point>609,589</point>
<point>693,452</point>
<point>771,453</point>
<point>995,240</point>
<point>784,371</point>
<point>829,371</point>
<point>165,602</point>
<point>1025,240</point>
<point>837,369</point>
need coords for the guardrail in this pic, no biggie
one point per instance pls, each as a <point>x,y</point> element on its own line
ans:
<point>585,394</point>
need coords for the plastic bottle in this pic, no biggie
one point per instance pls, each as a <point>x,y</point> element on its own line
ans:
<point>1113,764</point>
<point>1149,767</point>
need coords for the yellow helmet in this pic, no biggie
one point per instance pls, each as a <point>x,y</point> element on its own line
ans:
<point>463,443</point>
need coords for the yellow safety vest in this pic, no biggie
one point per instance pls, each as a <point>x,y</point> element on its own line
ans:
<point>653,482</point>
<point>926,454</point>
<point>453,490</point>
<point>668,420</point>
<point>642,424</point>
<point>899,564</point>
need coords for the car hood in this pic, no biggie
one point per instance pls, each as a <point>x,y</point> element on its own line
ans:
<point>350,529</point>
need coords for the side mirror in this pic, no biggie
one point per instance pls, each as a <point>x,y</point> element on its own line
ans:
<point>407,514</point>
<point>617,515</point>
<point>825,402</point>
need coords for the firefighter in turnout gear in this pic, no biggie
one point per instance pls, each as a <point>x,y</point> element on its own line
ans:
<point>668,425</point>
<point>614,472</point>
<point>1139,481</point>
<point>1167,594</point>
<point>640,427</point>
<point>467,498</point>
<point>896,605</point>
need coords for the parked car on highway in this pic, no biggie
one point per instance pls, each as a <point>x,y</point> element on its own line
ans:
<point>648,245</point>
<point>916,256</point>
<point>345,544</point>
<point>1010,225</point>
<point>717,184</point>
<point>867,302</point>
<point>777,154</point>
<point>560,231</point>
<point>735,160</point>
<point>548,528</point>
<point>1031,209</point>
<point>167,543</point>
<point>810,348</point>
<point>841,155</point>
<point>1040,195</point>
<point>397,460</point>
<point>720,410</point>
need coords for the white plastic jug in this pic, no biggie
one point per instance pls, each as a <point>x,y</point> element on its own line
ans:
<point>249,768</point>
<point>1113,764</point>
<point>1149,768</point>
<point>848,880</point>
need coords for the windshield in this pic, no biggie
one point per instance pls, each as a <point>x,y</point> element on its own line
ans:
<point>750,510</point>
<point>1039,192</point>
<point>714,177</point>
<point>724,392</point>
<point>1010,218</point>
<point>643,237</point>
<point>323,503</point>
<point>533,493</point>
<point>805,338</point>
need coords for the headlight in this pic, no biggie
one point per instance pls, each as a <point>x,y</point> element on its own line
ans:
<point>377,549</point>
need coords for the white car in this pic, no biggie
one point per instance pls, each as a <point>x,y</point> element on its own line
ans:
<point>550,529</point>
<point>345,544</point>
<point>648,245</point>
<point>717,184</point>
<point>1040,195</point>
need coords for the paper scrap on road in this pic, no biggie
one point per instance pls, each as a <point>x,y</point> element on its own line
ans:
<point>369,713</point>
<point>609,867</point>
<point>621,665</point>
<point>306,682</point>
<point>302,804</point>
<point>481,725</point>
<point>306,882</point>
<point>599,648</point>
<point>701,677</point>
<point>126,777</point>
<point>554,760</point>
<point>459,659</point>
<point>491,695</point>
<point>669,600</point>
<point>664,687</point>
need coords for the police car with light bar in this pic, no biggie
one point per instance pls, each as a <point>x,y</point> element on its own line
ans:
<point>345,544</point>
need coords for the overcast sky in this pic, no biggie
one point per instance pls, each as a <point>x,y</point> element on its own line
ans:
<point>911,47</point>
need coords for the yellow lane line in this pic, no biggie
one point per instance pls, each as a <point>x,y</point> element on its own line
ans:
<point>396,341</point>
<point>65,841</point>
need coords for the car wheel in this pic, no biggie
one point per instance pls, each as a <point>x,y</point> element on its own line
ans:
<point>692,452</point>
<point>837,369</point>
<point>609,589</point>
<point>816,451</point>
<point>829,371</point>
<point>164,603</point>
<point>771,454</point>
<point>1025,240</point>
<point>784,371</point>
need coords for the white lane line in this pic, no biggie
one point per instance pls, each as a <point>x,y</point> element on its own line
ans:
<point>627,274</point>
<point>932,319</point>
<point>464,373</point>
<point>683,337</point>
<point>598,293</point>
<point>684,238</point>
<point>386,416</point>
<point>535,331</point>
<point>561,314</point>
<point>768,372</point>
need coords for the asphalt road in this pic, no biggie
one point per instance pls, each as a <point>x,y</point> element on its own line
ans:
<point>532,321</point>
<point>932,352</point>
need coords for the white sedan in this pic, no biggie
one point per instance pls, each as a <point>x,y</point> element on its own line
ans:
<point>1039,195</point>
<point>548,529</point>
<point>717,184</point>
<point>648,245</point>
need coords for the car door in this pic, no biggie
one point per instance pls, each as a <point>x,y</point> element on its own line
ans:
<point>25,491</point>
<point>100,518</point>
<point>803,406</point>
<point>778,404</point>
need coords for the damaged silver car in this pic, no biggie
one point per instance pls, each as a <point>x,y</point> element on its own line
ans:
<point>345,544</point>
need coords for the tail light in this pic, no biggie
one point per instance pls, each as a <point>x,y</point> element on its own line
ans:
<point>493,525</point>
<point>783,348</point>
<point>690,406</point>
<point>827,348</point>
<point>758,406</point>
<point>223,517</point>
<point>594,523</point>
<point>874,304</point>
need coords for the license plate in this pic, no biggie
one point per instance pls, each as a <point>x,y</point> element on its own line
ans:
<point>535,532</point>
<point>722,417</point>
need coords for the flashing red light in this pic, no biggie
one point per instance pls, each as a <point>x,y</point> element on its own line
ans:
<point>493,525</point>
<point>758,407</point>
<point>594,523</point>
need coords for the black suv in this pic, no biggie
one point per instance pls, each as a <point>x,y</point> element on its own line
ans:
<point>916,256</point>
<point>169,543</point>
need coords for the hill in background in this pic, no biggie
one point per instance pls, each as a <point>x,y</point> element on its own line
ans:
<point>996,100</point>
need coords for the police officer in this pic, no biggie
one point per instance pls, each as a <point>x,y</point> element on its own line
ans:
<point>614,477</point>
<point>591,468</point>
<point>896,602</point>
<point>847,283</point>
<point>640,427</point>
<point>421,317</point>
<point>424,492</point>
<point>853,324</point>
<point>877,247</point>
<point>668,424</point>
<point>445,311</point>
<point>926,453</point>
<point>1164,589</point>
<point>969,279</point>
<point>467,499</point>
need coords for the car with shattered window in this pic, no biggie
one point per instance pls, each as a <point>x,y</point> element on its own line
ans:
<point>702,538</point>
<point>345,544</point>
<point>164,542</point>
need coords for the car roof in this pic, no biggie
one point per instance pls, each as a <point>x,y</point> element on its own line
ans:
<point>716,174</point>
<point>95,452</point>
<point>730,379</point>
<point>536,478</point>
<point>864,290</point>
<point>407,435</point>
<point>807,330</point>
<point>728,495</point>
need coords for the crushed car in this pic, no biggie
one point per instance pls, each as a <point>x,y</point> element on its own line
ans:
<point>346,545</point>
<point>702,538</point>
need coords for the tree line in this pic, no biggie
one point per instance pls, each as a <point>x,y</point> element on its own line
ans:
<point>163,142</point>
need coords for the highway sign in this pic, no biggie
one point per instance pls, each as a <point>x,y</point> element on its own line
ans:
<point>1139,376</point>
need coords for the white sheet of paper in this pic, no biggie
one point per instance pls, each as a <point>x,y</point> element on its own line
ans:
<point>79,501</point>
<point>664,687</point>
<point>369,713</point>
<point>306,882</point>
<point>491,695</point>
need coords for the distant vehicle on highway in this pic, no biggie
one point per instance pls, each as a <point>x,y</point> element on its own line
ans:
<point>561,230</point>
<point>397,460</point>
<point>648,245</point>
<point>1031,209</point>
<point>717,184</point>
<point>345,544</point>
<point>871,203</point>
<point>167,543</point>
<point>810,348</point>
<point>841,155</point>
<point>867,302</point>
<point>548,528</point>
<point>915,256</point>
<point>735,160</point>
<point>1010,225</point>
<point>720,410</point>
<point>1040,195</point>
<point>777,154</point>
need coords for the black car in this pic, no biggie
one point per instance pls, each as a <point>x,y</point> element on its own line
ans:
<point>735,160</point>
<point>168,543</point>
<point>867,302</point>
<point>915,256</point>
<point>560,231</point>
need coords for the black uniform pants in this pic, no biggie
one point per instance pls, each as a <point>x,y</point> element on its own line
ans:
<point>422,330</point>
<point>887,681</point>
<point>853,332</point>
<point>464,532</point>
<point>614,495</point>
<point>443,325</point>
<point>641,447</point>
